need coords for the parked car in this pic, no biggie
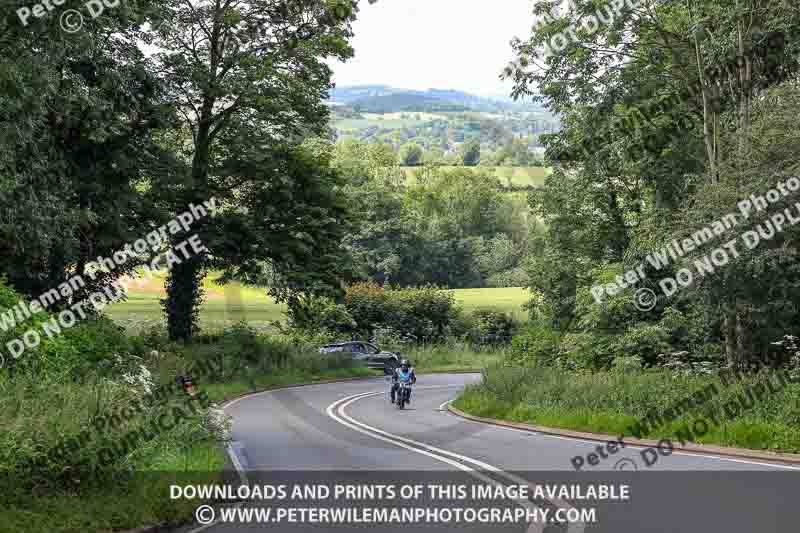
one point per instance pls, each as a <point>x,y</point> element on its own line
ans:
<point>367,353</point>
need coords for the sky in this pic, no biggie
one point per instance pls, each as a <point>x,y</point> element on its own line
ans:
<point>441,44</point>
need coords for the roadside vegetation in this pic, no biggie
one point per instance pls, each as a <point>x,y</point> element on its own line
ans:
<point>616,403</point>
<point>70,406</point>
<point>652,153</point>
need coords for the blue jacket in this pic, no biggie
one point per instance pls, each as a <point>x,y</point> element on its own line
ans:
<point>399,376</point>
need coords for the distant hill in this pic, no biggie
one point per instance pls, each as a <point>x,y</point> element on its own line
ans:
<point>386,99</point>
<point>392,103</point>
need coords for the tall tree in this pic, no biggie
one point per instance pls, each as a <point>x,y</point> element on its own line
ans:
<point>648,93</point>
<point>247,77</point>
<point>79,119</point>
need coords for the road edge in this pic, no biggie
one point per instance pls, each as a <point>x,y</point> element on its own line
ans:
<point>741,453</point>
<point>225,402</point>
<point>161,528</point>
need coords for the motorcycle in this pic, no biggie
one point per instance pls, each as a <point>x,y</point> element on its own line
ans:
<point>403,394</point>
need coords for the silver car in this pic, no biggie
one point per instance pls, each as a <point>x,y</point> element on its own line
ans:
<point>367,353</point>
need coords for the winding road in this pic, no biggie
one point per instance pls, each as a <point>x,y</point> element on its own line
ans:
<point>350,431</point>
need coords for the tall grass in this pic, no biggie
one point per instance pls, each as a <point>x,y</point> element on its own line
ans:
<point>452,356</point>
<point>612,402</point>
<point>66,471</point>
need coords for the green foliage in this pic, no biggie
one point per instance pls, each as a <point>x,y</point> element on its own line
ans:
<point>627,364</point>
<point>285,210</point>
<point>491,327</point>
<point>80,119</point>
<point>615,313</point>
<point>423,314</point>
<point>586,351</point>
<point>612,402</point>
<point>320,314</point>
<point>68,356</point>
<point>645,341</point>
<point>472,153</point>
<point>411,155</point>
<point>651,151</point>
<point>452,227</point>
<point>536,345</point>
<point>359,161</point>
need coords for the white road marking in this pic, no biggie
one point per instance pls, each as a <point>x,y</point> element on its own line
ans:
<point>337,412</point>
<point>445,404</point>
<point>236,462</point>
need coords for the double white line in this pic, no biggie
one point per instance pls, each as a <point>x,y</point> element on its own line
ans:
<point>467,464</point>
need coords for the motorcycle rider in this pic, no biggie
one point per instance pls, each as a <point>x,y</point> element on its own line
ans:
<point>404,373</point>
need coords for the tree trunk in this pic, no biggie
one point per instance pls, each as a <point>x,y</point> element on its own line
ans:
<point>744,337</point>
<point>184,296</point>
<point>729,335</point>
<point>708,116</point>
<point>184,293</point>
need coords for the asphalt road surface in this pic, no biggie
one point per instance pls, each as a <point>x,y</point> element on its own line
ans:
<point>350,434</point>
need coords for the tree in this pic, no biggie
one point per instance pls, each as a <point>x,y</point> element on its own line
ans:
<point>359,160</point>
<point>78,167</point>
<point>249,80</point>
<point>472,153</point>
<point>653,94</point>
<point>411,155</point>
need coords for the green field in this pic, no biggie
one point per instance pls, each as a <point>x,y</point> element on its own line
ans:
<point>517,176</point>
<point>226,306</point>
<point>508,299</point>
<point>223,306</point>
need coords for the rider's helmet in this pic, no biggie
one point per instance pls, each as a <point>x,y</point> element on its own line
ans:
<point>404,364</point>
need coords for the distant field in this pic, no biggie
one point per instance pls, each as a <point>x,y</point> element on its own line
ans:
<point>391,121</point>
<point>225,307</point>
<point>509,300</point>
<point>519,176</point>
<point>354,124</point>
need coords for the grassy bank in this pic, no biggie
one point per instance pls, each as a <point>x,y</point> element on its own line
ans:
<point>82,456</point>
<point>613,403</point>
<point>133,499</point>
<point>452,357</point>
<point>140,496</point>
<point>83,495</point>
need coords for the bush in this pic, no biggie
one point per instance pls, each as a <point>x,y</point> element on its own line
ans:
<point>368,304</point>
<point>627,365</point>
<point>316,314</point>
<point>515,277</point>
<point>615,313</point>
<point>585,351</point>
<point>424,314</point>
<point>646,341</point>
<point>62,356</point>
<point>491,327</point>
<point>537,344</point>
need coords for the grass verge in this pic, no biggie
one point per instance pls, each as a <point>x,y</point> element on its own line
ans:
<point>142,498</point>
<point>617,404</point>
